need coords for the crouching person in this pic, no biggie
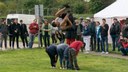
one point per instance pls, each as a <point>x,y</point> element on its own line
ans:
<point>60,49</point>
<point>73,52</point>
<point>124,47</point>
<point>66,58</point>
<point>52,52</point>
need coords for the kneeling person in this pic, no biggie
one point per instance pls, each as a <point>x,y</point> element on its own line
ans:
<point>124,47</point>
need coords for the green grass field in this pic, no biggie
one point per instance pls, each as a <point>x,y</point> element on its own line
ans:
<point>36,60</point>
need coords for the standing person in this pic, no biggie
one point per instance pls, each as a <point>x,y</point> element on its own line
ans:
<point>104,36</point>
<point>115,33</point>
<point>125,29</point>
<point>46,30</point>
<point>16,32</point>
<point>86,36</point>
<point>60,49</point>
<point>3,34</point>
<point>79,28</point>
<point>10,33</point>
<point>98,36</point>
<point>93,34</point>
<point>40,36</point>
<point>53,35</point>
<point>73,52</point>
<point>33,30</point>
<point>52,53</point>
<point>24,33</point>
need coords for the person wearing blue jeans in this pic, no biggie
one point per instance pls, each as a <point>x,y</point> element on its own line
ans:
<point>60,49</point>
<point>124,51</point>
<point>33,30</point>
<point>104,44</point>
<point>66,57</point>
<point>115,39</point>
<point>104,36</point>
<point>32,37</point>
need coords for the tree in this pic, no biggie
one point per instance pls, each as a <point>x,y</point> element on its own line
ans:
<point>79,7</point>
<point>97,5</point>
<point>29,4</point>
<point>2,8</point>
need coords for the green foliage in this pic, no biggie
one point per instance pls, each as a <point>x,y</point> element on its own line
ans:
<point>2,8</point>
<point>29,4</point>
<point>50,18</point>
<point>97,5</point>
<point>79,7</point>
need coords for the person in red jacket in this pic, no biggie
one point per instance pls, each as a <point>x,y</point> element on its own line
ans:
<point>124,49</point>
<point>33,30</point>
<point>73,52</point>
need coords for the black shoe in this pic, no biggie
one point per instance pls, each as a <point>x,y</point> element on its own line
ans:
<point>113,50</point>
<point>18,47</point>
<point>77,68</point>
<point>124,55</point>
<point>118,49</point>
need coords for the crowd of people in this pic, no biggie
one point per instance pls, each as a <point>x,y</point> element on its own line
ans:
<point>73,35</point>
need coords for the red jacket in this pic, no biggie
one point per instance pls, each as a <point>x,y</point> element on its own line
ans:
<point>33,28</point>
<point>125,45</point>
<point>76,45</point>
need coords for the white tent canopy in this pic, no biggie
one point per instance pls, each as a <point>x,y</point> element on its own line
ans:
<point>118,9</point>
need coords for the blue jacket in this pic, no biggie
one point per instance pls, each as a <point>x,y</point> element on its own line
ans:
<point>52,49</point>
<point>86,31</point>
<point>98,31</point>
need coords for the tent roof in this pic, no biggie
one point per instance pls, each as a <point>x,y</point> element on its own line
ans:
<point>117,9</point>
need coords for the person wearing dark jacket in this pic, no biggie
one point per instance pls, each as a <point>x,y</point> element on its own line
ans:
<point>93,34</point>
<point>104,36</point>
<point>115,33</point>
<point>24,33</point>
<point>79,28</point>
<point>3,34</point>
<point>52,53</point>
<point>125,29</point>
<point>10,34</point>
<point>16,33</point>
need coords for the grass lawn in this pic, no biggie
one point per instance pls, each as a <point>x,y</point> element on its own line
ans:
<point>36,60</point>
